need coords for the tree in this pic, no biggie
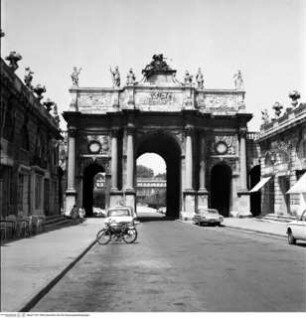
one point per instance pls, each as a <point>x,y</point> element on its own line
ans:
<point>144,172</point>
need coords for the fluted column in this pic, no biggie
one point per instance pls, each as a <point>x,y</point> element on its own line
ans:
<point>114,165</point>
<point>130,158</point>
<point>188,158</point>
<point>243,164</point>
<point>70,191</point>
<point>71,160</point>
<point>202,164</point>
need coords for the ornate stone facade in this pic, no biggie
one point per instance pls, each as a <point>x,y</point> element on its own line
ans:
<point>29,172</point>
<point>194,129</point>
<point>282,143</point>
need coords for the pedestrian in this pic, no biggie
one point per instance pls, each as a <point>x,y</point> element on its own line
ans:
<point>74,212</point>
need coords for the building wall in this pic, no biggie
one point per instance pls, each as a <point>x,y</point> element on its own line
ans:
<point>29,151</point>
<point>283,158</point>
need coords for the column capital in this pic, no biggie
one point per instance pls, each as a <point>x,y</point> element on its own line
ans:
<point>115,131</point>
<point>189,129</point>
<point>130,129</point>
<point>72,131</point>
<point>242,132</point>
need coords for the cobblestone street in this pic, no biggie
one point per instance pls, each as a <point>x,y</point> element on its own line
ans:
<point>180,267</point>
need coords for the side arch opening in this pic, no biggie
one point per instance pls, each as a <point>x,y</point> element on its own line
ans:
<point>93,194</point>
<point>220,188</point>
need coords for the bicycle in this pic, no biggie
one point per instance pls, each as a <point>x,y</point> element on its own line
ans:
<point>119,231</point>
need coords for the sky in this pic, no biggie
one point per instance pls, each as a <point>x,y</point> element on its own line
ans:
<point>265,39</point>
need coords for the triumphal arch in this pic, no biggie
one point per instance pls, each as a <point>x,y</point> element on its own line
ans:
<point>199,132</point>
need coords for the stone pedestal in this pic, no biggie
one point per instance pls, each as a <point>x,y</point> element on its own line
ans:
<point>116,198</point>
<point>130,198</point>
<point>243,203</point>
<point>188,204</point>
<point>70,201</point>
<point>202,196</point>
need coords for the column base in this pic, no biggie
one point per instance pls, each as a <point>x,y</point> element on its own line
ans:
<point>189,204</point>
<point>202,197</point>
<point>116,198</point>
<point>242,204</point>
<point>70,201</point>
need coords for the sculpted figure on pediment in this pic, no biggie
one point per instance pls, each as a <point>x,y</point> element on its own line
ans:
<point>188,79</point>
<point>75,76</point>
<point>238,81</point>
<point>200,79</point>
<point>130,78</point>
<point>115,76</point>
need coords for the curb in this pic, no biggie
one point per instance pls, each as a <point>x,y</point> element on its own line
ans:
<point>39,295</point>
<point>255,231</point>
<point>243,229</point>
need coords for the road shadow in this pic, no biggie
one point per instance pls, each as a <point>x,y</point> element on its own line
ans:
<point>143,218</point>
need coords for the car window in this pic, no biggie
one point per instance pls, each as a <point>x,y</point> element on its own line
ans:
<point>212,211</point>
<point>119,212</point>
<point>303,217</point>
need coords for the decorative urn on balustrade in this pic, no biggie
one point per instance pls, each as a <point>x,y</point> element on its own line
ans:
<point>294,96</point>
<point>48,104</point>
<point>13,58</point>
<point>277,108</point>
<point>39,90</point>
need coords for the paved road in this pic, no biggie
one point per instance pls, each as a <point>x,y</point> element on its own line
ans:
<point>183,268</point>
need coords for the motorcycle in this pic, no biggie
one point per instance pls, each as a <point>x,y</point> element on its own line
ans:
<point>118,231</point>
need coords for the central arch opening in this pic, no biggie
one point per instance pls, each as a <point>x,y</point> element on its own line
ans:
<point>166,147</point>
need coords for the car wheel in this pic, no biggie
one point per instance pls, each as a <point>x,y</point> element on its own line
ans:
<point>291,239</point>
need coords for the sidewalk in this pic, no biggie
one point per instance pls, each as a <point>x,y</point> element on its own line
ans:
<point>257,225</point>
<point>31,264</point>
<point>29,267</point>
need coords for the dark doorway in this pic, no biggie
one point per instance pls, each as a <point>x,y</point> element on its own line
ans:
<point>221,176</point>
<point>88,186</point>
<point>255,196</point>
<point>167,147</point>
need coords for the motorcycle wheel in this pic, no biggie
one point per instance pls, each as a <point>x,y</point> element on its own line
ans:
<point>130,236</point>
<point>103,237</point>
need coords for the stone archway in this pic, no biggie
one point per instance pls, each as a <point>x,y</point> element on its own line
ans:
<point>167,147</point>
<point>220,185</point>
<point>88,186</point>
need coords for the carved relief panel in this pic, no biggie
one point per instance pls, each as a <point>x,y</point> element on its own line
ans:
<point>228,102</point>
<point>94,102</point>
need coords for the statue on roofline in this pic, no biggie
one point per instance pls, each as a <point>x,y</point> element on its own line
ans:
<point>130,78</point>
<point>157,65</point>
<point>75,76</point>
<point>265,116</point>
<point>200,79</point>
<point>115,76</point>
<point>28,77</point>
<point>238,81</point>
<point>188,79</point>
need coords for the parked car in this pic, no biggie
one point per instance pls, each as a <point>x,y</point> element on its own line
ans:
<point>121,214</point>
<point>207,216</point>
<point>98,212</point>
<point>162,210</point>
<point>296,230</point>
